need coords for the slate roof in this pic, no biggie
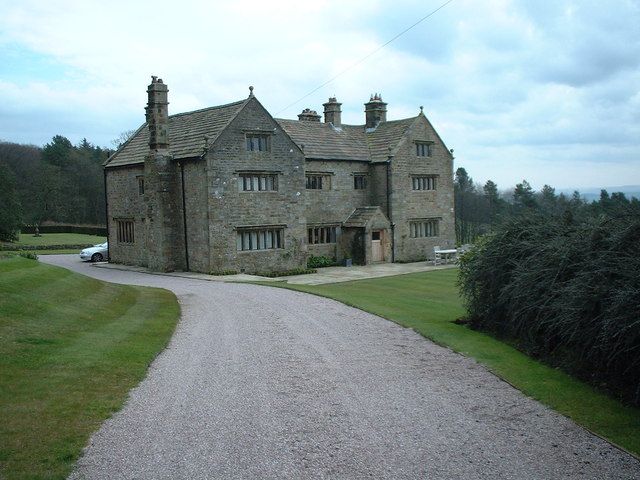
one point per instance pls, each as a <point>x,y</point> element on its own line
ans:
<point>186,134</point>
<point>387,136</point>
<point>322,141</point>
<point>361,216</point>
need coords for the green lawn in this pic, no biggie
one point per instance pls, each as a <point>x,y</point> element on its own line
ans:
<point>428,302</point>
<point>58,239</point>
<point>71,347</point>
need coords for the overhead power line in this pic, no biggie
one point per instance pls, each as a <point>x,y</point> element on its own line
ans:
<point>355,64</point>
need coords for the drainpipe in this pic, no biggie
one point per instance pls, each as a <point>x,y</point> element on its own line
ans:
<point>106,210</point>
<point>184,217</point>
<point>393,226</point>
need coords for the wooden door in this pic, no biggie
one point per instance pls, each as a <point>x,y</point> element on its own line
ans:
<point>377,255</point>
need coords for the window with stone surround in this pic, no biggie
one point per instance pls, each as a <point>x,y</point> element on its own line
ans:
<point>424,149</point>
<point>260,238</point>
<point>424,182</point>
<point>318,181</point>
<point>428,227</point>
<point>318,235</point>
<point>125,231</point>
<point>258,182</point>
<point>258,142</point>
<point>140,185</point>
<point>359,181</point>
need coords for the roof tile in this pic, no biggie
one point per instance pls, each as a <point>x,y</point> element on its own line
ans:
<point>186,134</point>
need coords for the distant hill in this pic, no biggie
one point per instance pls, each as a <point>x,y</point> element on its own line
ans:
<point>593,193</point>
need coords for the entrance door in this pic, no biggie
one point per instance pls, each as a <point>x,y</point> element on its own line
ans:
<point>377,254</point>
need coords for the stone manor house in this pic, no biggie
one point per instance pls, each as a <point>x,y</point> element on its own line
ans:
<point>230,188</point>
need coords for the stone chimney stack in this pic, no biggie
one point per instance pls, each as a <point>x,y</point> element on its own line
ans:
<point>309,115</point>
<point>332,112</point>
<point>375,111</point>
<point>165,247</point>
<point>157,114</point>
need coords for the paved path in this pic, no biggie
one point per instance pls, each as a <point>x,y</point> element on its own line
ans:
<point>261,382</point>
<point>323,275</point>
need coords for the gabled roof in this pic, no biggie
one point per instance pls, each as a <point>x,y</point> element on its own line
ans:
<point>385,138</point>
<point>362,217</point>
<point>323,141</point>
<point>186,134</point>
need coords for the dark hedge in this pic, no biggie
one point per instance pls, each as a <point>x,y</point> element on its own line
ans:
<point>84,229</point>
<point>566,289</point>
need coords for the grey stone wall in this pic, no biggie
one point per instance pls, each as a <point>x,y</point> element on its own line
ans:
<point>197,214</point>
<point>230,208</point>
<point>165,232</point>
<point>333,206</point>
<point>410,204</point>
<point>124,203</point>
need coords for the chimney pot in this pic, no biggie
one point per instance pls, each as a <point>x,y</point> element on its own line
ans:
<point>332,112</point>
<point>375,111</point>
<point>309,115</point>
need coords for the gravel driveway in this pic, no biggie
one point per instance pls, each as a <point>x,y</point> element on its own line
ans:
<point>261,382</point>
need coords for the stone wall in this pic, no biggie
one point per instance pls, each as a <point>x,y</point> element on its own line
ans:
<point>333,206</point>
<point>230,208</point>
<point>163,199</point>
<point>125,203</point>
<point>197,214</point>
<point>408,204</point>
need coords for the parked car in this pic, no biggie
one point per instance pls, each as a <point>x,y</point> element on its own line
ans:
<point>97,253</point>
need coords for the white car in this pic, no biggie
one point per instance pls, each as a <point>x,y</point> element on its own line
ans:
<point>97,253</point>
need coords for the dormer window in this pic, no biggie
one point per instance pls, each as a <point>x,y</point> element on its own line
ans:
<point>258,142</point>
<point>424,149</point>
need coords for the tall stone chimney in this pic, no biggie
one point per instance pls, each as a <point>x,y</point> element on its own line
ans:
<point>375,111</point>
<point>157,114</point>
<point>332,112</point>
<point>309,115</point>
<point>165,236</point>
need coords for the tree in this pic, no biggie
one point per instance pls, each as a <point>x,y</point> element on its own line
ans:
<point>523,195</point>
<point>10,210</point>
<point>122,138</point>
<point>548,200</point>
<point>493,201</point>
<point>58,151</point>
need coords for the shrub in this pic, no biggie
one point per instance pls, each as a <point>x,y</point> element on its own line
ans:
<point>567,290</point>
<point>285,273</point>
<point>320,262</point>
<point>29,255</point>
<point>224,272</point>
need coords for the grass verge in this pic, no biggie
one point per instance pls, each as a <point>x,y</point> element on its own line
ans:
<point>71,347</point>
<point>58,239</point>
<point>428,302</point>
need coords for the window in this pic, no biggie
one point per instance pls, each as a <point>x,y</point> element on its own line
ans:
<point>318,182</point>
<point>322,235</point>
<point>424,228</point>
<point>125,231</point>
<point>260,239</point>
<point>257,142</point>
<point>424,149</point>
<point>258,182</point>
<point>140,185</point>
<point>359,182</point>
<point>424,183</point>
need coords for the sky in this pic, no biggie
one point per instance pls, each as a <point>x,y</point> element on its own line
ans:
<point>545,90</point>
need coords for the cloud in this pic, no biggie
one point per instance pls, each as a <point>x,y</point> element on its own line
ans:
<point>516,87</point>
